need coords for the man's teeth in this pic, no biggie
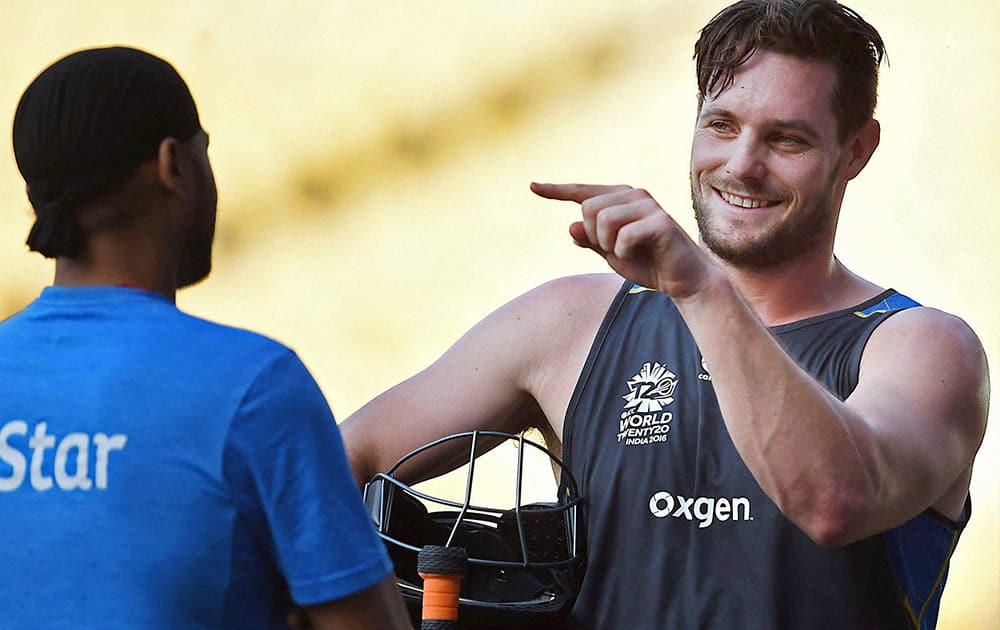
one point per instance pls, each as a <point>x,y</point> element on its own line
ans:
<point>744,202</point>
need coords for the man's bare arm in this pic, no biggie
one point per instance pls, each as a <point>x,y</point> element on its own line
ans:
<point>904,441</point>
<point>846,470</point>
<point>514,370</point>
<point>380,607</point>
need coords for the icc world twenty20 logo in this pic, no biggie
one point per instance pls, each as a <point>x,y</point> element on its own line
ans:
<point>643,419</point>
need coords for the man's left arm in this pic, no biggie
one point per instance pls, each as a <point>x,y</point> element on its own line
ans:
<point>841,470</point>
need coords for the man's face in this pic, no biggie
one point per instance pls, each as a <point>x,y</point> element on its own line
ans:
<point>195,261</point>
<point>765,163</point>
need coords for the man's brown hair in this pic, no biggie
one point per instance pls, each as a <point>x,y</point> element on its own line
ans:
<point>819,30</point>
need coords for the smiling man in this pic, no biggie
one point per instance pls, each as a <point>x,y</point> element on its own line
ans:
<point>751,423</point>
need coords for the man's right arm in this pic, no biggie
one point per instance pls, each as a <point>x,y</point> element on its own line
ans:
<point>514,370</point>
<point>287,472</point>
<point>377,608</point>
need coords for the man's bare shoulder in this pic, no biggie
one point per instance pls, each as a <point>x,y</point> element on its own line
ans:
<point>940,346</point>
<point>544,318</point>
<point>565,308</point>
<point>565,315</point>
<point>580,291</point>
<point>935,334</point>
<point>934,362</point>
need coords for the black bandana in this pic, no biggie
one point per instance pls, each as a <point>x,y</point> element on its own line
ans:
<point>84,125</point>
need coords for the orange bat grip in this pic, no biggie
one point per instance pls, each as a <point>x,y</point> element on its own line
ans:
<point>441,596</point>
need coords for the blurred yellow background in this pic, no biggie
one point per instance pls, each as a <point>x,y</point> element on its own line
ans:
<point>373,161</point>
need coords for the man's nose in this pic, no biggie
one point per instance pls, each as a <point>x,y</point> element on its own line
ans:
<point>747,160</point>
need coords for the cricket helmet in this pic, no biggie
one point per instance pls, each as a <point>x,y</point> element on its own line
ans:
<point>524,562</point>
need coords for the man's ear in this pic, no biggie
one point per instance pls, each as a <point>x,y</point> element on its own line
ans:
<point>861,149</point>
<point>169,165</point>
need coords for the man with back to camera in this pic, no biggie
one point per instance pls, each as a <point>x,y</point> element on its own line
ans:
<point>157,470</point>
<point>764,439</point>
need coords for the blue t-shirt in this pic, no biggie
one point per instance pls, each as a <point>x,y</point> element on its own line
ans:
<point>161,471</point>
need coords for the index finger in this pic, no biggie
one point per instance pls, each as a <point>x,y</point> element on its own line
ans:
<point>573,192</point>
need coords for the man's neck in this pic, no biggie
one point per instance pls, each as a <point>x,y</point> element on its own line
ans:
<point>75,273</point>
<point>127,259</point>
<point>809,286</point>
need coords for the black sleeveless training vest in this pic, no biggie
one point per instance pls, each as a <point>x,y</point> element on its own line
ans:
<point>679,535</point>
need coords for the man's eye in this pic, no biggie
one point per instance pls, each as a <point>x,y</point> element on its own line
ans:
<point>789,140</point>
<point>720,125</point>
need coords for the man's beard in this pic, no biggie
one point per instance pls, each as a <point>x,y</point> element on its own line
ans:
<point>778,243</point>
